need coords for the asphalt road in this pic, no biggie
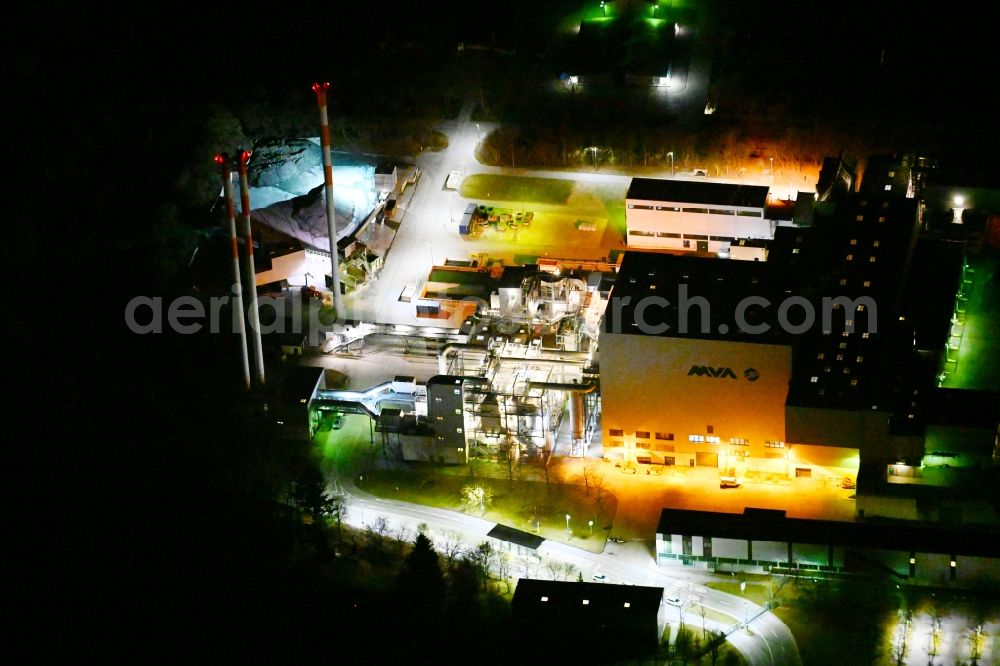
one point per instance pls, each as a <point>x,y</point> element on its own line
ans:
<point>768,641</point>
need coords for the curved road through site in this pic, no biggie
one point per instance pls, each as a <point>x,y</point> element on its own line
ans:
<point>766,641</point>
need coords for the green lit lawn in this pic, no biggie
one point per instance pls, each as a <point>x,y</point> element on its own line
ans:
<point>757,592</point>
<point>344,451</point>
<point>515,503</point>
<point>976,366</point>
<point>517,188</point>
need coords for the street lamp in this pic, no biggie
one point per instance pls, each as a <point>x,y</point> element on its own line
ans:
<point>590,523</point>
<point>479,137</point>
<point>567,522</point>
<point>772,167</point>
<point>594,148</point>
<point>746,613</point>
<point>743,586</point>
<point>671,156</point>
<point>604,9</point>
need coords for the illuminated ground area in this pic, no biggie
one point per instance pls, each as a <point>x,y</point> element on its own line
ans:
<point>641,496</point>
<point>975,365</point>
<point>836,622</point>
<point>562,209</point>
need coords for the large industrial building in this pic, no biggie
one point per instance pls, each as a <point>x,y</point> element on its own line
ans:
<point>693,386</point>
<point>697,367</point>
<point>693,389</point>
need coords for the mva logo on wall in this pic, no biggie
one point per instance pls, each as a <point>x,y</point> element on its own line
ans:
<point>709,371</point>
<point>751,374</point>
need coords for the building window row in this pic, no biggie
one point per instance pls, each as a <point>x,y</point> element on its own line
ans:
<point>668,436</point>
<point>739,441</point>
<point>772,444</point>
<point>696,438</point>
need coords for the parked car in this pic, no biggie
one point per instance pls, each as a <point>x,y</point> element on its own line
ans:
<point>848,483</point>
<point>628,468</point>
<point>616,539</point>
<point>600,578</point>
<point>674,601</point>
<point>337,421</point>
<point>453,180</point>
<point>729,482</point>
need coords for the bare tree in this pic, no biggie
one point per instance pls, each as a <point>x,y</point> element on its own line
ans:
<point>589,475</point>
<point>567,570</point>
<point>451,546</point>
<point>378,531</point>
<point>482,559</point>
<point>504,568</point>
<point>531,565</point>
<point>337,509</point>
<point>477,496</point>
<point>402,536</point>
<point>554,568</point>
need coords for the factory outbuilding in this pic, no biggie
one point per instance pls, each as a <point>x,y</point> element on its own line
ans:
<point>766,540</point>
<point>590,618</point>
<point>694,216</point>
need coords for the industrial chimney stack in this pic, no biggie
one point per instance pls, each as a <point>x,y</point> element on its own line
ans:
<point>226,169</point>
<point>320,90</point>
<point>254,314</point>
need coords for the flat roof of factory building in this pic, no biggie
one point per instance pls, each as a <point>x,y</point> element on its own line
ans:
<point>723,283</point>
<point>301,383</point>
<point>774,525</point>
<point>696,192</point>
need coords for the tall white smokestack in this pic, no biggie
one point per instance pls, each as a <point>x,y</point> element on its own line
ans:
<point>226,168</point>
<point>254,314</point>
<point>324,133</point>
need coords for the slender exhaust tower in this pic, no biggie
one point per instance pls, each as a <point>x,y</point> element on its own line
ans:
<point>324,121</point>
<point>254,314</point>
<point>226,169</point>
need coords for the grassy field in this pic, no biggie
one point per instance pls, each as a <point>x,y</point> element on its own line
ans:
<point>531,506</point>
<point>343,451</point>
<point>757,592</point>
<point>517,188</point>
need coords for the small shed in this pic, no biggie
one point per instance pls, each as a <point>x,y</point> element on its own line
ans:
<point>386,177</point>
